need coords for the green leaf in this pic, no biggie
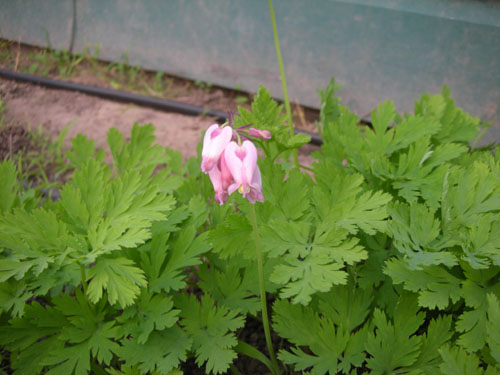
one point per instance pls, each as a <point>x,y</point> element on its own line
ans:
<point>382,117</point>
<point>32,336</point>
<point>211,329</point>
<point>438,333</point>
<point>252,352</point>
<point>162,352</point>
<point>119,277</point>
<point>86,335</point>
<point>290,197</point>
<point>302,278</point>
<point>435,285</point>
<point>84,149</point>
<point>473,323</point>
<point>13,295</point>
<point>458,362</point>
<point>346,305</point>
<point>112,214</point>
<point>329,110</point>
<point>184,251</point>
<point>331,347</point>
<point>343,139</point>
<point>410,130</point>
<point>150,313</point>
<point>266,113</point>
<point>493,327</point>
<point>371,270</point>
<point>8,185</point>
<point>471,192</point>
<point>298,140</point>
<point>279,237</point>
<point>394,345</point>
<point>139,153</point>
<point>416,234</point>
<point>456,125</point>
<point>341,201</point>
<point>233,237</point>
<point>73,359</point>
<point>482,245</point>
<point>309,266</point>
<point>232,287</point>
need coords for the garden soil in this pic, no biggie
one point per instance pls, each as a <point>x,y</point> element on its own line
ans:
<point>33,106</point>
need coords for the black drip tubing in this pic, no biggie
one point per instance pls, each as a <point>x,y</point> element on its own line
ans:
<point>127,97</point>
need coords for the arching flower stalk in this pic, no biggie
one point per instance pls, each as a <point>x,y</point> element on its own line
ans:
<point>230,159</point>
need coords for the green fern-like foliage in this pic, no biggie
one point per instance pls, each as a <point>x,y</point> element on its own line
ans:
<point>86,279</point>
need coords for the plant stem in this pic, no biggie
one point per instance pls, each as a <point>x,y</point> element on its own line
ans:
<point>260,266</point>
<point>306,168</point>
<point>84,278</point>
<point>283,80</point>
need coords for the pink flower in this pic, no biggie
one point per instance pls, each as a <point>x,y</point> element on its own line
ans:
<point>257,133</point>
<point>242,163</point>
<point>221,179</point>
<point>255,193</point>
<point>215,141</point>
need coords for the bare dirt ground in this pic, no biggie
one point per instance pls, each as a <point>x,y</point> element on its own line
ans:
<point>33,106</point>
<point>53,110</point>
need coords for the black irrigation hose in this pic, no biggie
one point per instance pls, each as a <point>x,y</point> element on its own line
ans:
<point>122,96</point>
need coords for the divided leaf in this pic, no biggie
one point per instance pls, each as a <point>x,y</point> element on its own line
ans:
<point>493,327</point>
<point>234,237</point>
<point>457,361</point>
<point>310,265</point>
<point>416,233</point>
<point>211,329</point>
<point>150,313</point>
<point>394,345</point>
<point>234,288</point>
<point>341,201</point>
<point>162,352</point>
<point>435,285</point>
<point>120,277</point>
<point>138,153</point>
<point>456,125</point>
<point>332,347</point>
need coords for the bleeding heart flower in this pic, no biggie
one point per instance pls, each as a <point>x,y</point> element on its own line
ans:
<point>215,141</point>
<point>242,163</point>
<point>255,193</point>
<point>221,179</point>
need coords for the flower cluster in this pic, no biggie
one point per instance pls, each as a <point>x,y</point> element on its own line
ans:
<point>232,163</point>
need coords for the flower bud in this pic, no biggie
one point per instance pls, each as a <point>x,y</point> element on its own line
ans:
<point>258,133</point>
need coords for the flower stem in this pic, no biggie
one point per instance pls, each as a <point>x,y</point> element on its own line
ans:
<point>283,80</point>
<point>306,168</point>
<point>260,266</point>
<point>84,278</point>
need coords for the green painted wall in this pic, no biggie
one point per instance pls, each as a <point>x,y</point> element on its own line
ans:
<point>377,49</point>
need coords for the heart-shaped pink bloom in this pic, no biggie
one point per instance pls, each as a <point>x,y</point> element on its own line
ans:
<point>242,163</point>
<point>221,179</point>
<point>215,141</point>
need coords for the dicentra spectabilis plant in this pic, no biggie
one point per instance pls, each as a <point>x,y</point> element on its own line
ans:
<point>382,259</point>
